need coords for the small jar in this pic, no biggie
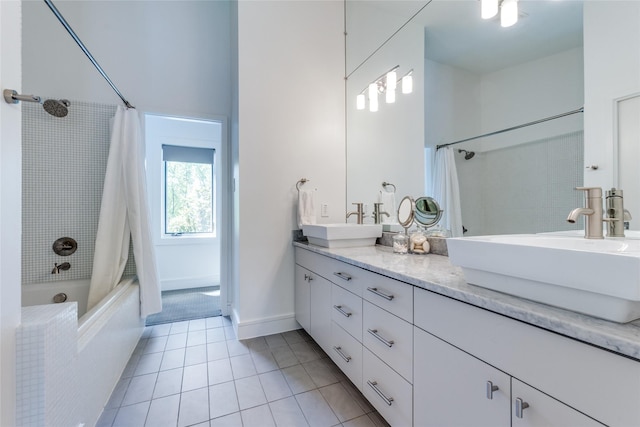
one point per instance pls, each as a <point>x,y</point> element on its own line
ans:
<point>400,243</point>
<point>418,243</point>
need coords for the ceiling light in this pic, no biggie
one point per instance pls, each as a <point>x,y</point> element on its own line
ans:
<point>488,8</point>
<point>508,13</point>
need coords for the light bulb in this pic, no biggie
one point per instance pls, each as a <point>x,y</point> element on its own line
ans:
<point>390,96</point>
<point>391,80</point>
<point>509,13</point>
<point>488,8</point>
<point>373,97</point>
<point>360,102</point>
<point>407,84</point>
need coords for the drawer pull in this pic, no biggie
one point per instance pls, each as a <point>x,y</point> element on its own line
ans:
<point>340,309</point>
<point>374,332</point>
<point>380,294</point>
<point>521,405</point>
<point>339,351</point>
<point>491,388</point>
<point>343,276</point>
<point>308,277</point>
<point>373,385</point>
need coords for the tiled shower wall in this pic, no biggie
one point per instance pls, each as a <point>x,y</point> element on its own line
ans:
<point>63,165</point>
<point>527,188</point>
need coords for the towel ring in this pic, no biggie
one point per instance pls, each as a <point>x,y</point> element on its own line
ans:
<point>300,182</point>
<point>388,184</point>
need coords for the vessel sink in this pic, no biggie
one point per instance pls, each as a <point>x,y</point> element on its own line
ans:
<point>596,277</point>
<point>342,235</point>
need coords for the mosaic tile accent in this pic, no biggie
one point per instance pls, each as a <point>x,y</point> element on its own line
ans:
<point>63,162</point>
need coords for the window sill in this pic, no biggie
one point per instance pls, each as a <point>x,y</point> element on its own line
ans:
<point>186,240</point>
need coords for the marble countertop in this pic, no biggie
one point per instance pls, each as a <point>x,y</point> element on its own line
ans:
<point>435,273</point>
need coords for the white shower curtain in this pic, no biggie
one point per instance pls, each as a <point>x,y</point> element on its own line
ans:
<point>446,190</point>
<point>124,215</point>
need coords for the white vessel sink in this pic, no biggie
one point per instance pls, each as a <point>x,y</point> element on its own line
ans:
<point>596,277</point>
<point>342,235</point>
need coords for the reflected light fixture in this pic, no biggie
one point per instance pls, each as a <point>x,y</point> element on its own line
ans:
<point>391,82</point>
<point>360,101</point>
<point>508,13</point>
<point>373,97</point>
<point>407,82</point>
<point>488,8</point>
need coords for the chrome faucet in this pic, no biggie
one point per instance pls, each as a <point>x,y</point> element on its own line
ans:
<point>377,213</point>
<point>359,212</point>
<point>617,215</point>
<point>64,266</point>
<point>592,212</point>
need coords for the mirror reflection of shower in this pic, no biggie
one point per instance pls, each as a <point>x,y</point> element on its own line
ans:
<point>55,107</point>
<point>467,154</point>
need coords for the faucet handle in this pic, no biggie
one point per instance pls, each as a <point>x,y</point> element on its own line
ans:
<point>591,191</point>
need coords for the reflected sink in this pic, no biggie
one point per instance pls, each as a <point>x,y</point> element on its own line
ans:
<point>596,277</point>
<point>342,235</point>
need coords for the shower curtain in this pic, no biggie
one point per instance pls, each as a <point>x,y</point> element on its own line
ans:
<point>447,191</point>
<point>124,216</point>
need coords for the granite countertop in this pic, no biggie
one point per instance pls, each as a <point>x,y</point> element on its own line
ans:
<point>435,273</point>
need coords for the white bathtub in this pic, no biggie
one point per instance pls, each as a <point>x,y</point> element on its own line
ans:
<point>106,336</point>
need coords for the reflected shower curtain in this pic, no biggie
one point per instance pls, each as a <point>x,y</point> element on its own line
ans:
<point>446,190</point>
<point>124,214</point>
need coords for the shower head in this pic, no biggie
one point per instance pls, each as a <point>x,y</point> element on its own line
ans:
<point>467,154</point>
<point>56,107</point>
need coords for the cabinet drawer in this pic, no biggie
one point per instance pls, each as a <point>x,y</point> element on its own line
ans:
<point>573,372</point>
<point>390,338</point>
<point>394,296</point>
<point>345,275</point>
<point>346,352</point>
<point>387,391</point>
<point>347,311</point>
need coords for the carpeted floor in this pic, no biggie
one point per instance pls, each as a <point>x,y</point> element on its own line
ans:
<point>187,304</point>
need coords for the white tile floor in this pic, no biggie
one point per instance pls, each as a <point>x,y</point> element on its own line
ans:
<point>196,373</point>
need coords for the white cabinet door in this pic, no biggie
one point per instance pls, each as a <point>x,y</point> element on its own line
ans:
<point>302,297</point>
<point>452,388</point>
<point>534,408</point>
<point>320,311</point>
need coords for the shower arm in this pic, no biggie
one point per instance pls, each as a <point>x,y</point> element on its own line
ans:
<point>75,37</point>
<point>12,97</point>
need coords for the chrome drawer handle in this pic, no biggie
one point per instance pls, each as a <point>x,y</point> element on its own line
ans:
<point>491,388</point>
<point>339,351</point>
<point>373,385</point>
<point>343,276</point>
<point>374,332</point>
<point>344,313</point>
<point>380,294</point>
<point>521,405</point>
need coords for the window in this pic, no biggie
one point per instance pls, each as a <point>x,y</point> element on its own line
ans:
<point>188,190</point>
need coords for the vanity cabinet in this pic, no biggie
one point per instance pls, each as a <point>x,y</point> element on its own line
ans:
<point>303,297</point>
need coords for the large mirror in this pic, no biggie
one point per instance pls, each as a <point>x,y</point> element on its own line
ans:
<point>472,77</point>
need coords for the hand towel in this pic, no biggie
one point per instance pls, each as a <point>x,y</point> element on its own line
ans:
<point>306,207</point>
<point>389,206</point>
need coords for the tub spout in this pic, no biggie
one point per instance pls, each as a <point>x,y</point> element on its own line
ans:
<point>64,266</point>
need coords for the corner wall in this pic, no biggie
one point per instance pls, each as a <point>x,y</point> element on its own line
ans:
<point>290,125</point>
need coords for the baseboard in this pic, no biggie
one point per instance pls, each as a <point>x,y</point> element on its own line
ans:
<point>189,282</point>
<point>264,326</point>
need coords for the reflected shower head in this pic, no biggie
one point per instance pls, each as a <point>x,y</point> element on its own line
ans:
<point>467,154</point>
<point>56,107</point>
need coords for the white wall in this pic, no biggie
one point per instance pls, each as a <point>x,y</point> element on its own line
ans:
<point>290,125</point>
<point>612,71</point>
<point>10,207</point>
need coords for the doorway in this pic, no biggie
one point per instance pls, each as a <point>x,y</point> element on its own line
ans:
<point>185,165</point>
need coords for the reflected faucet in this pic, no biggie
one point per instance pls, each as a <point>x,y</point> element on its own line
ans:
<point>64,266</point>
<point>592,212</point>
<point>617,215</point>
<point>359,213</point>
<point>377,213</point>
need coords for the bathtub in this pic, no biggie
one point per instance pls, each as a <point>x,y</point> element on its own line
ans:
<point>105,337</point>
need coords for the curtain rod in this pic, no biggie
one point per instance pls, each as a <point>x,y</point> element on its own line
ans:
<point>568,113</point>
<point>86,51</point>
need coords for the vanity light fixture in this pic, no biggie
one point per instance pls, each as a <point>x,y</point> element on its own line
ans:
<point>407,82</point>
<point>508,13</point>
<point>373,97</point>
<point>489,8</point>
<point>360,101</point>
<point>390,94</point>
